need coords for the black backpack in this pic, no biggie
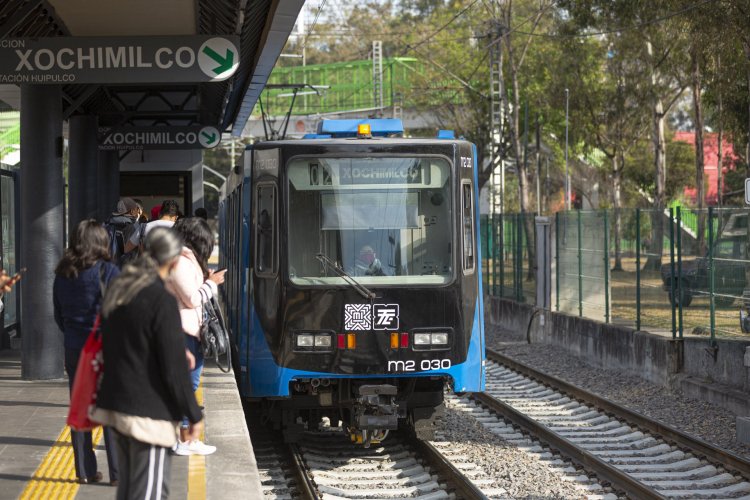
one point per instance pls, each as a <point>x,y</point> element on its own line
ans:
<point>116,232</point>
<point>119,233</point>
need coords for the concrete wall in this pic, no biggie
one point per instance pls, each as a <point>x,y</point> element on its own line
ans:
<point>720,376</point>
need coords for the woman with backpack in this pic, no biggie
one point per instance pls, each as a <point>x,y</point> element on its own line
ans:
<point>192,284</point>
<point>81,277</point>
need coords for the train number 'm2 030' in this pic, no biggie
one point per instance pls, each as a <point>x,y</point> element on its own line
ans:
<point>424,365</point>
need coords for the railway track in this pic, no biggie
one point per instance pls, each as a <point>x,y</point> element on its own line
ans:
<point>636,455</point>
<point>326,465</point>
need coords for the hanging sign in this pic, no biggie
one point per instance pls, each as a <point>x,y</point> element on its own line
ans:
<point>150,59</point>
<point>140,138</point>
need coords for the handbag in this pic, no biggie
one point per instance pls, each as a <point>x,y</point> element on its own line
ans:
<point>213,334</point>
<point>88,376</point>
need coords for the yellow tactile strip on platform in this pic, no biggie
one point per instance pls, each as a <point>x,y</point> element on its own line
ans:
<point>197,463</point>
<point>56,477</point>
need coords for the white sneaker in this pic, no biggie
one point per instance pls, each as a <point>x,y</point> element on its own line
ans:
<point>182,448</point>
<point>196,447</point>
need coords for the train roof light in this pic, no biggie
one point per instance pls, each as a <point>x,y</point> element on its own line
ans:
<point>363,131</point>
<point>379,127</point>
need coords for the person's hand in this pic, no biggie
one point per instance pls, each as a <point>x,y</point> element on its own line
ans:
<point>194,431</point>
<point>7,282</point>
<point>190,359</point>
<point>217,276</point>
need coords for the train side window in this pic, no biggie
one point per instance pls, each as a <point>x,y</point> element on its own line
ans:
<point>265,231</point>
<point>467,227</point>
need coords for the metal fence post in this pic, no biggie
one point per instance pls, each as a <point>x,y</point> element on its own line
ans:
<point>543,264</point>
<point>637,268</point>
<point>606,267</point>
<point>580,269</point>
<point>519,255</point>
<point>557,261</point>
<point>673,286</point>
<point>711,281</point>
<point>679,270</point>
<point>501,263</point>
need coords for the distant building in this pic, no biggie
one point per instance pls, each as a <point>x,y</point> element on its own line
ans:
<point>710,163</point>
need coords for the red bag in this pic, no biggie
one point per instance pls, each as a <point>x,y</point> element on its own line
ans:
<point>88,375</point>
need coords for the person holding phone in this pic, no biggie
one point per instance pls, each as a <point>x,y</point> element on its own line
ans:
<point>191,283</point>
<point>6,284</point>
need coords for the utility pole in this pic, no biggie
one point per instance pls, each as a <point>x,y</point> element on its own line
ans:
<point>497,118</point>
<point>567,176</point>
<point>377,74</point>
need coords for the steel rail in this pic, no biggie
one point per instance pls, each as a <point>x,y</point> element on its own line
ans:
<point>696,445</point>
<point>304,482</point>
<point>619,479</point>
<point>462,485</point>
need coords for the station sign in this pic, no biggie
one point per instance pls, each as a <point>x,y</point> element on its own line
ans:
<point>142,138</point>
<point>146,59</point>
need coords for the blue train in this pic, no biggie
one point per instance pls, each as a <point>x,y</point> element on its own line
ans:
<point>354,286</point>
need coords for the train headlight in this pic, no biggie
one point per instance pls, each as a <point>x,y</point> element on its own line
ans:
<point>430,341</point>
<point>422,339</point>
<point>323,340</point>
<point>305,341</point>
<point>439,339</point>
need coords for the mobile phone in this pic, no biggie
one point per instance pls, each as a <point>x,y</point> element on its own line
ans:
<point>14,279</point>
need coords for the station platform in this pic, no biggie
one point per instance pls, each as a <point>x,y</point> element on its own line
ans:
<point>36,459</point>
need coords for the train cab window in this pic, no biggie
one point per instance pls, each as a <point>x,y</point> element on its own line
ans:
<point>467,229</point>
<point>265,230</point>
<point>383,220</point>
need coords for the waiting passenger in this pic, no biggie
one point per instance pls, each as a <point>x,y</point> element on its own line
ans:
<point>367,263</point>
<point>192,283</point>
<point>145,389</point>
<point>81,278</point>
<point>167,218</point>
<point>202,213</point>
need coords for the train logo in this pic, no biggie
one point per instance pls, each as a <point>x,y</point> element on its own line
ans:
<point>385,316</point>
<point>358,317</point>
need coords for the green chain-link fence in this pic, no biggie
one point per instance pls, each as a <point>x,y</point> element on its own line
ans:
<point>678,272</point>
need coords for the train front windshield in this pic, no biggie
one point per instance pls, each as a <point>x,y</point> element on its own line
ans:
<point>383,220</point>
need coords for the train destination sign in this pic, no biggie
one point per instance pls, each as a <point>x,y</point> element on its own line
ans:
<point>141,138</point>
<point>148,59</point>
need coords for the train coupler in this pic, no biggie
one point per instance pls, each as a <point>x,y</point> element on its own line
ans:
<point>375,413</point>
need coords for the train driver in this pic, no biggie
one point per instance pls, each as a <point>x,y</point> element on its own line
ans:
<point>367,263</point>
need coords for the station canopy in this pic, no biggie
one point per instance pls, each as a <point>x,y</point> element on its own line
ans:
<point>263,27</point>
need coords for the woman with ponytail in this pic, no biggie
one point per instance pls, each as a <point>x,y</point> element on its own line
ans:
<point>81,277</point>
<point>146,389</point>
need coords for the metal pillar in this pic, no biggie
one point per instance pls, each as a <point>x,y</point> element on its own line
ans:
<point>543,263</point>
<point>377,74</point>
<point>41,245</point>
<point>83,186</point>
<point>496,133</point>
<point>109,183</point>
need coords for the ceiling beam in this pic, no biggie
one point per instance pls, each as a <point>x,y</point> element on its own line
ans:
<point>18,17</point>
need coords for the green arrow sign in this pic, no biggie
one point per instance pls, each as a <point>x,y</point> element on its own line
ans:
<point>209,138</point>
<point>225,63</point>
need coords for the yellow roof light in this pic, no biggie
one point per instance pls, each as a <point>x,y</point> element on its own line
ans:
<point>363,130</point>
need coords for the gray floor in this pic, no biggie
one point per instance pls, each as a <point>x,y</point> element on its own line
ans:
<point>33,415</point>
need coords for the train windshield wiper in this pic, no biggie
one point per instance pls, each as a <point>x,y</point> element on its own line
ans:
<point>364,291</point>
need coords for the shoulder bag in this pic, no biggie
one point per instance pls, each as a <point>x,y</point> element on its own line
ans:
<point>214,335</point>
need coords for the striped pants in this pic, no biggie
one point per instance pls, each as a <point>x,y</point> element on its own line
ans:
<point>144,469</point>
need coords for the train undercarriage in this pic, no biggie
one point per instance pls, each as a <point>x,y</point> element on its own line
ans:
<point>367,409</point>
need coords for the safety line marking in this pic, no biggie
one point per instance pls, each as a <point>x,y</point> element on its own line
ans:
<point>197,463</point>
<point>56,477</point>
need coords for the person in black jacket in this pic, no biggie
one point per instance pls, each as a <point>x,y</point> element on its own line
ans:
<point>81,278</point>
<point>145,389</point>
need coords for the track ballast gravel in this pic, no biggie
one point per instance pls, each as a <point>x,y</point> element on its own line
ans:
<point>708,422</point>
